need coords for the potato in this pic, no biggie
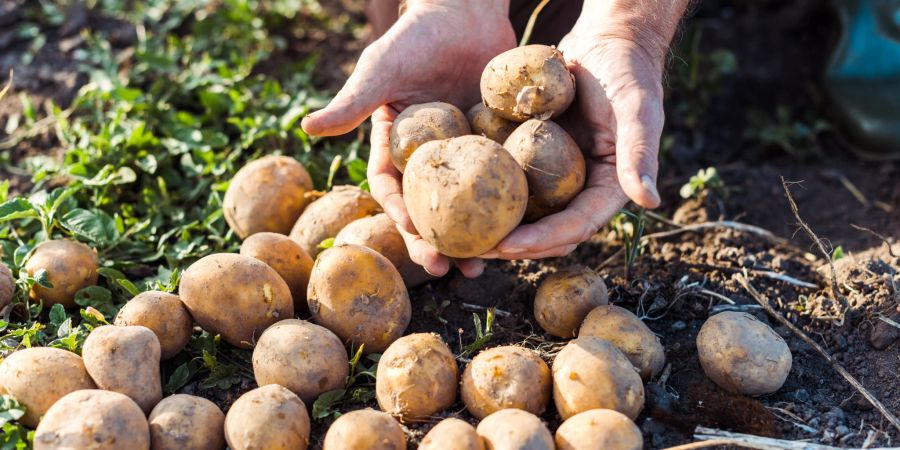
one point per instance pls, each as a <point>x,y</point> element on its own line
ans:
<point>422,123</point>
<point>553,165</point>
<point>379,233</point>
<point>416,377</point>
<point>235,296</point>
<point>490,125</point>
<point>590,373</point>
<point>93,419</point>
<point>267,195</point>
<point>365,429</point>
<point>284,255</point>
<point>186,422</point>
<point>566,297</point>
<point>359,295</point>
<point>269,417</point>
<point>71,266</point>
<point>301,356</point>
<point>630,335</point>
<point>39,376</point>
<point>743,355</point>
<point>125,360</point>
<point>464,195</point>
<point>164,315</point>
<point>506,377</point>
<point>452,434</point>
<point>599,429</point>
<point>7,286</point>
<point>528,82</point>
<point>514,429</point>
<point>325,217</point>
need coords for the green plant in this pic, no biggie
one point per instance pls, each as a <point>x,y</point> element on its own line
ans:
<point>629,227</point>
<point>359,388</point>
<point>12,434</point>
<point>436,310</point>
<point>781,130</point>
<point>483,333</point>
<point>706,179</point>
<point>696,77</point>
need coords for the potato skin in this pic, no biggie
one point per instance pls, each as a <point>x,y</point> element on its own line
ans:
<point>484,122</point>
<point>743,355</point>
<point>506,377</point>
<point>359,295</point>
<point>464,195</point>
<point>599,429</point>
<point>164,315</point>
<point>70,265</point>
<point>514,429</point>
<point>365,429</point>
<point>39,376</point>
<point>630,335</point>
<point>284,255</point>
<point>452,434</point>
<point>125,360</point>
<point>301,356</point>
<point>325,217</point>
<point>266,195</point>
<point>528,82</point>
<point>93,419</point>
<point>590,373</point>
<point>416,377</point>
<point>236,296</point>
<point>379,233</point>
<point>7,286</point>
<point>186,422</point>
<point>566,297</point>
<point>422,123</point>
<point>269,417</point>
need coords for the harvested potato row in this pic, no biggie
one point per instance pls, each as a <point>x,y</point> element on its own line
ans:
<point>490,125</point>
<point>528,82</point>
<point>7,286</point>
<point>630,335</point>
<point>365,429</point>
<point>566,297</point>
<point>94,419</point>
<point>506,377</point>
<point>284,255</point>
<point>186,422</point>
<point>71,266</point>
<point>269,417</point>
<point>379,233</point>
<point>416,377</point>
<point>514,429</point>
<point>125,360</point>
<point>325,217</point>
<point>452,434</point>
<point>422,123</point>
<point>165,315</point>
<point>599,429</point>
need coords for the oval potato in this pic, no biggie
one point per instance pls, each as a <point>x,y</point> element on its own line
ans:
<point>528,82</point>
<point>125,360</point>
<point>630,335</point>
<point>71,266</point>
<point>566,297</point>
<point>506,377</point>
<point>186,422</point>
<point>7,286</point>
<point>422,123</point>
<point>416,377</point>
<point>365,429</point>
<point>164,314</point>
<point>93,419</point>
<point>490,125</point>
<point>599,429</point>
<point>284,255</point>
<point>325,217</point>
<point>514,429</point>
<point>379,233</point>
<point>452,434</point>
<point>269,417</point>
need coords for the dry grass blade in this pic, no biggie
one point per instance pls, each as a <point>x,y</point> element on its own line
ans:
<point>8,85</point>
<point>710,437</point>
<point>529,27</point>
<point>884,240</point>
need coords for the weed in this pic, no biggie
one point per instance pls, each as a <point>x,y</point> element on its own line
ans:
<point>483,333</point>
<point>629,227</point>
<point>706,180</point>
<point>358,388</point>
<point>696,76</point>
<point>436,310</point>
<point>797,137</point>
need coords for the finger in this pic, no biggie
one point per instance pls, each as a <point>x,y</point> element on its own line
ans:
<point>425,255</point>
<point>385,181</point>
<point>470,267</point>
<point>550,253</point>
<point>639,120</point>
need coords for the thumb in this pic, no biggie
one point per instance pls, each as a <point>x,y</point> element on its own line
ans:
<point>639,128</point>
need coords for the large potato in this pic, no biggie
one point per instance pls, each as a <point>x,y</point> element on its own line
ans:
<point>365,429</point>
<point>325,217</point>
<point>186,422</point>
<point>514,429</point>
<point>301,356</point>
<point>71,266</point>
<point>528,82</point>
<point>452,434</point>
<point>125,360</point>
<point>284,255</point>
<point>266,195</point>
<point>235,296</point>
<point>164,314</point>
<point>39,376</point>
<point>506,377</point>
<point>629,334</point>
<point>490,125</point>
<point>599,429</point>
<point>7,286</point>
<point>742,354</point>
<point>464,195</point>
<point>590,373</point>
<point>566,297</point>
<point>93,419</point>
<point>422,123</point>
<point>359,295</point>
<point>379,233</point>
<point>270,417</point>
<point>416,377</point>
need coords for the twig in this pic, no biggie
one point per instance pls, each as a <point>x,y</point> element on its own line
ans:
<point>884,240</point>
<point>787,279</point>
<point>710,437</point>
<point>888,321</point>
<point>747,228</point>
<point>8,85</point>
<point>529,27</point>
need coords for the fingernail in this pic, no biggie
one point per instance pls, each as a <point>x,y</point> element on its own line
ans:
<point>650,186</point>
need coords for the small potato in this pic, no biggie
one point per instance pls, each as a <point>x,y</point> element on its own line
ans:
<point>7,286</point>
<point>452,434</point>
<point>590,373</point>
<point>125,360</point>
<point>490,125</point>
<point>528,82</point>
<point>301,356</point>
<point>416,377</point>
<point>269,417</point>
<point>325,217</point>
<point>464,195</point>
<point>284,255</point>
<point>39,376</point>
<point>422,123</point>
<point>93,419</point>
<point>266,195</point>
<point>566,297</point>
<point>743,355</point>
<point>71,266</point>
<point>186,422</point>
<point>506,377</point>
<point>359,295</point>
<point>164,315</point>
<point>365,429</point>
<point>379,233</point>
<point>630,335</point>
<point>235,296</point>
<point>599,429</point>
<point>514,429</point>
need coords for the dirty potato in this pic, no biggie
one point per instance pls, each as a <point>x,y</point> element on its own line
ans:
<point>599,429</point>
<point>269,417</point>
<point>379,233</point>
<point>528,82</point>
<point>186,422</point>
<point>566,297</point>
<point>506,377</point>
<point>71,266</point>
<point>284,255</point>
<point>484,122</point>
<point>365,429</point>
<point>7,286</point>
<point>93,419</point>
<point>325,217</point>
<point>416,377</point>
<point>514,429</point>
<point>452,434</point>
<point>630,335</point>
<point>422,123</point>
<point>125,360</point>
<point>164,314</point>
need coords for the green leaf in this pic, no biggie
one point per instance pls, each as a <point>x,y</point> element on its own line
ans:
<point>181,376</point>
<point>326,244</point>
<point>128,286</point>
<point>96,226</point>
<point>838,253</point>
<point>326,404</point>
<point>57,314</point>
<point>17,208</point>
<point>10,409</point>
<point>40,277</point>
<point>97,297</point>
<point>357,170</point>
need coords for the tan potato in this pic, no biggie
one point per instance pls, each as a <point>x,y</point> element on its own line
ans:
<point>630,335</point>
<point>284,255</point>
<point>416,377</point>
<point>452,434</point>
<point>490,125</point>
<point>590,373</point>
<point>7,286</point>
<point>553,165</point>
<point>266,195</point>
<point>422,123</point>
<point>325,217</point>
<point>365,429</point>
<point>506,377</point>
<point>599,429</point>
<point>164,315</point>
<point>71,266</point>
<point>528,82</point>
<point>743,355</point>
<point>464,195</point>
<point>514,429</point>
<point>566,297</point>
<point>379,233</point>
<point>359,295</point>
<point>125,360</point>
<point>235,296</point>
<point>39,376</point>
<point>186,422</point>
<point>269,417</point>
<point>301,356</point>
<point>93,419</point>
